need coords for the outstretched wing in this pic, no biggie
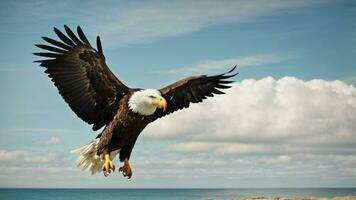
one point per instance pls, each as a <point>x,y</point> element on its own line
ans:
<point>193,89</point>
<point>83,79</point>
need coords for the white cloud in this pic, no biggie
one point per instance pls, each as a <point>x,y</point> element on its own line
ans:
<point>266,116</point>
<point>35,130</point>
<point>275,160</point>
<point>190,147</point>
<point>246,61</point>
<point>122,22</point>
<point>50,141</point>
<point>18,157</point>
<point>137,22</point>
<point>9,155</point>
<point>255,60</point>
<point>219,148</point>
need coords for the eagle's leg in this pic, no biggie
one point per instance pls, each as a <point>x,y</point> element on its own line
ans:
<point>108,165</point>
<point>126,169</point>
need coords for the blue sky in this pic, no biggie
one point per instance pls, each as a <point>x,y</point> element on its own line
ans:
<point>299,54</point>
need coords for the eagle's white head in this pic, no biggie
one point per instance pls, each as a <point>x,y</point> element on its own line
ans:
<point>145,102</point>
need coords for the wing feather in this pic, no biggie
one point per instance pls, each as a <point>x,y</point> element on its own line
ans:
<point>193,89</point>
<point>82,36</point>
<point>98,44</point>
<point>72,35</point>
<point>56,43</point>
<point>49,55</point>
<point>83,79</point>
<point>50,48</point>
<point>63,37</point>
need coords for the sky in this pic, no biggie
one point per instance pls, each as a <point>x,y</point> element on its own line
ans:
<point>288,120</point>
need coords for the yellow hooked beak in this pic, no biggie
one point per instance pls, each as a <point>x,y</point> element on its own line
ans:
<point>160,102</point>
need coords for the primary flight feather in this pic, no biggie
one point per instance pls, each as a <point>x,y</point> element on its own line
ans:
<point>99,98</point>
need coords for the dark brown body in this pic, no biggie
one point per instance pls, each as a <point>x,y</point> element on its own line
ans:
<point>123,131</point>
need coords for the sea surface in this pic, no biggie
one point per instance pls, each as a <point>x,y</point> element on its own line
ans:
<point>158,194</point>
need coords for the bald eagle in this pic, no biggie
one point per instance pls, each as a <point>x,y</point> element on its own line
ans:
<point>100,99</point>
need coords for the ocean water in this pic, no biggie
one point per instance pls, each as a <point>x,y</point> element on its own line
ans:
<point>158,194</point>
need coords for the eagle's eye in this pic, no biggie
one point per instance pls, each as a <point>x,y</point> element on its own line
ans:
<point>151,96</point>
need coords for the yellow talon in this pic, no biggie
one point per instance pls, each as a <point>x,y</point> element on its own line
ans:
<point>126,169</point>
<point>108,165</point>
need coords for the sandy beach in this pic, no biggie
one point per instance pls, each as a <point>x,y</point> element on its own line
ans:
<point>303,198</point>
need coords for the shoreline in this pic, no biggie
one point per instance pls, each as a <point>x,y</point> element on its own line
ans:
<point>302,198</point>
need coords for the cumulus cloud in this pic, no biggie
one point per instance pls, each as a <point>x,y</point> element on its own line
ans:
<point>219,148</point>
<point>270,116</point>
<point>305,129</point>
<point>18,157</point>
<point>50,141</point>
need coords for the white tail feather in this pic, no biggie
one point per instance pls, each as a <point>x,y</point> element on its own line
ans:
<point>88,158</point>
